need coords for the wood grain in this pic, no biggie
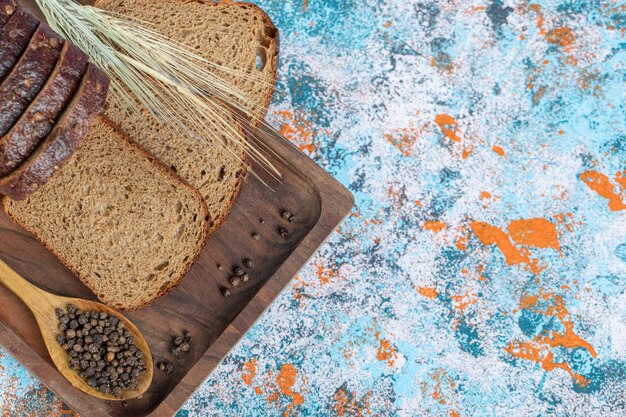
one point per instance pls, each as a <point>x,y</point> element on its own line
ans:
<point>319,203</point>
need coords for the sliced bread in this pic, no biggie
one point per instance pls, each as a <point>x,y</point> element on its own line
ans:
<point>62,141</point>
<point>229,34</point>
<point>28,75</point>
<point>7,8</point>
<point>121,221</point>
<point>37,121</point>
<point>232,34</point>
<point>14,38</point>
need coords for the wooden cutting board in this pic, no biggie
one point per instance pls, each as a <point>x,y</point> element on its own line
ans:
<point>318,202</point>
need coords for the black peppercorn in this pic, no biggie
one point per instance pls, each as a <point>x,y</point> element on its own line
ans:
<point>288,216</point>
<point>256,236</point>
<point>235,281</point>
<point>86,339</point>
<point>283,232</point>
<point>248,263</point>
<point>226,292</point>
<point>245,277</point>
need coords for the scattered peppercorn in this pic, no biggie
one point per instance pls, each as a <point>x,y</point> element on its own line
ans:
<point>100,350</point>
<point>256,236</point>
<point>283,232</point>
<point>166,367</point>
<point>245,277</point>
<point>226,292</point>
<point>261,221</point>
<point>235,281</point>
<point>238,271</point>
<point>220,267</point>
<point>248,263</point>
<point>178,341</point>
<point>287,215</point>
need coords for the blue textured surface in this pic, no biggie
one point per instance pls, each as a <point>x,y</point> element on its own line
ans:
<point>483,270</point>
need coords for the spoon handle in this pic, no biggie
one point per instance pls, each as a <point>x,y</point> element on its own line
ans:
<point>27,292</point>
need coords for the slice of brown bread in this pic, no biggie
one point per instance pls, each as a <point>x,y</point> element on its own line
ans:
<point>28,75</point>
<point>38,119</point>
<point>7,8</point>
<point>14,39</point>
<point>236,35</point>
<point>61,143</point>
<point>229,34</point>
<point>116,217</point>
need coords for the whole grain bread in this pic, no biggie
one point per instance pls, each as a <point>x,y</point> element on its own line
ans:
<point>28,75</point>
<point>14,38</point>
<point>39,118</point>
<point>7,8</point>
<point>232,34</point>
<point>120,220</point>
<point>62,141</point>
<point>228,34</point>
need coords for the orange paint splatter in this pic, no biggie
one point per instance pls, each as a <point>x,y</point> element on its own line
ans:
<point>386,352</point>
<point>427,292</point>
<point>461,242</point>
<point>620,178</point>
<point>467,152</point>
<point>538,232</point>
<point>536,353</point>
<point>561,36</point>
<point>347,405</point>
<point>286,380</point>
<point>442,390</point>
<point>249,372</point>
<point>404,139</point>
<point>601,184</point>
<point>448,126</point>
<point>434,226</point>
<point>485,195</point>
<point>462,301</point>
<point>387,24</point>
<point>540,21</point>
<point>491,235</point>
<point>538,350</point>
<point>324,273</point>
<point>498,150</point>
<point>299,132</point>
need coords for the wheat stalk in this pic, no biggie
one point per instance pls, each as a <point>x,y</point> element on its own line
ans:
<point>167,78</point>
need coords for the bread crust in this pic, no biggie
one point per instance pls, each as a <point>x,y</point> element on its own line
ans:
<point>61,143</point>
<point>7,8</point>
<point>15,37</point>
<point>6,201</point>
<point>38,119</point>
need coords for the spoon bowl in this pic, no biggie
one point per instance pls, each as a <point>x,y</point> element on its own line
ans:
<point>43,305</point>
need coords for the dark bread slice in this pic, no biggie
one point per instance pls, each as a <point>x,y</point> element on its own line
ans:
<point>7,8</point>
<point>27,77</point>
<point>38,119</point>
<point>65,137</point>
<point>119,219</point>
<point>14,38</point>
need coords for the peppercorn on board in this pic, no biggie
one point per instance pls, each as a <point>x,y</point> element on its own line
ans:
<point>258,229</point>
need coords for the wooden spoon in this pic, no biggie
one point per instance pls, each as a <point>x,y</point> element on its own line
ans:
<point>43,304</point>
